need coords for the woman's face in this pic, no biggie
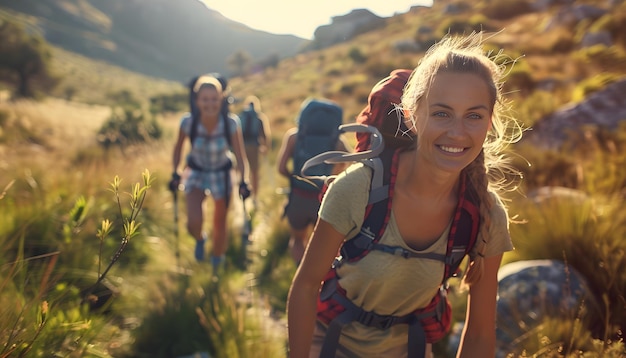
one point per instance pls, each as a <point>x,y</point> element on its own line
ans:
<point>209,101</point>
<point>453,120</point>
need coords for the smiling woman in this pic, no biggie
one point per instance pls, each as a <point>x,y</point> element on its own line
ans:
<point>438,207</point>
<point>301,18</point>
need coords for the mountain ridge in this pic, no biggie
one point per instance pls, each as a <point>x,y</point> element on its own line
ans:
<point>153,37</point>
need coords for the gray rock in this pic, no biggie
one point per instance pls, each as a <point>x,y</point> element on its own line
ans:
<point>605,108</point>
<point>597,38</point>
<point>528,292</point>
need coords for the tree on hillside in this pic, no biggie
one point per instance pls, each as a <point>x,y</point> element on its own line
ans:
<point>24,60</point>
<point>240,62</point>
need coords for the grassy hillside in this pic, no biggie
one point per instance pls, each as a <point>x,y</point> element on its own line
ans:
<point>545,57</point>
<point>90,81</point>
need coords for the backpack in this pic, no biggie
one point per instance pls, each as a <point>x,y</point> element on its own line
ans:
<point>380,151</point>
<point>382,113</point>
<point>250,126</point>
<point>195,111</point>
<point>318,132</point>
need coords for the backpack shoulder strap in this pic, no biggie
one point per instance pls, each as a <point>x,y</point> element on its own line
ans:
<point>193,130</point>
<point>193,110</point>
<point>378,211</point>
<point>225,114</point>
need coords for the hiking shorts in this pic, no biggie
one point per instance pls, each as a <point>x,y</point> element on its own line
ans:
<point>252,152</point>
<point>301,209</point>
<point>342,352</point>
<point>218,183</point>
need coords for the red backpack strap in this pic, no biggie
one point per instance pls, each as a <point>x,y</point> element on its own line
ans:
<point>464,230</point>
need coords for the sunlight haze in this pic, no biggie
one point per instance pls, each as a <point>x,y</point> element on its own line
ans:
<point>301,18</point>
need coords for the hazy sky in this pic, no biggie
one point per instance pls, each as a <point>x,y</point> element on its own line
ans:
<point>302,17</point>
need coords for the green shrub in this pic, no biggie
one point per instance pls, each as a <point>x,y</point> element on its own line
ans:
<point>608,59</point>
<point>519,80</point>
<point>506,9</point>
<point>588,234</point>
<point>357,55</point>
<point>163,103</point>
<point>377,69</point>
<point>615,23</point>
<point>127,127</point>
<point>538,104</point>
<point>591,85</point>
<point>458,26</point>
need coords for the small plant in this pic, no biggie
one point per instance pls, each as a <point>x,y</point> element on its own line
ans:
<point>130,226</point>
<point>41,312</point>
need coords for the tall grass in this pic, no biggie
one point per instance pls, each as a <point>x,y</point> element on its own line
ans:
<point>47,311</point>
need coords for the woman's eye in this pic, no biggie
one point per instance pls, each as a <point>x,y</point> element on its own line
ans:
<point>474,116</point>
<point>440,114</point>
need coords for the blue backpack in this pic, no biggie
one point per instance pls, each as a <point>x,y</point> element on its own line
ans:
<point>318,132</point>
<point>250,126</point>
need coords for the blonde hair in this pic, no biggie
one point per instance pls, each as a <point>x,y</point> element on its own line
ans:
<point>464,54</point>
<point>207,82</point>
<point>256,102</point>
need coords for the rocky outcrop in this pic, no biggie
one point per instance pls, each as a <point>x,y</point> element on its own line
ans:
<point>597,38</point>
<point>571,15</point>
<point>346,27</point>
<point>605,108</point>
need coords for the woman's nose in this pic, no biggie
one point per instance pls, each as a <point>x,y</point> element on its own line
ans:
<point>456,128</point>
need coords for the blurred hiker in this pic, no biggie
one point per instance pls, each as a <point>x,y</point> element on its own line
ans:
<point>212,133</point>
<point>256,133</point>
<point>316,132</point>
<point>384,294</point>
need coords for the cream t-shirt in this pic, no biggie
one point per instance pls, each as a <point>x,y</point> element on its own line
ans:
<point>384,283</point>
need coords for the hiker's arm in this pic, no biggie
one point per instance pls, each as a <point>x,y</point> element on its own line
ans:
<point>285,152</point>
<point>302,301</point>
<point>479,334</point>
<point>240,153</point>
<point>264,134</point>
<point>178,148</point>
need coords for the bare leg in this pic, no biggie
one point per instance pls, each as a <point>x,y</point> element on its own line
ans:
<point>219,228</point>
<point>195,213</point>
<point>297,243</point>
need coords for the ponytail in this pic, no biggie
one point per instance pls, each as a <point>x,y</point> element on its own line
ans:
<point>477,175</point>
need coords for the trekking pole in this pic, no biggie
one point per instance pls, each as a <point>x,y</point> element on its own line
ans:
<point>176,227</point>
<point>245,232</point>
